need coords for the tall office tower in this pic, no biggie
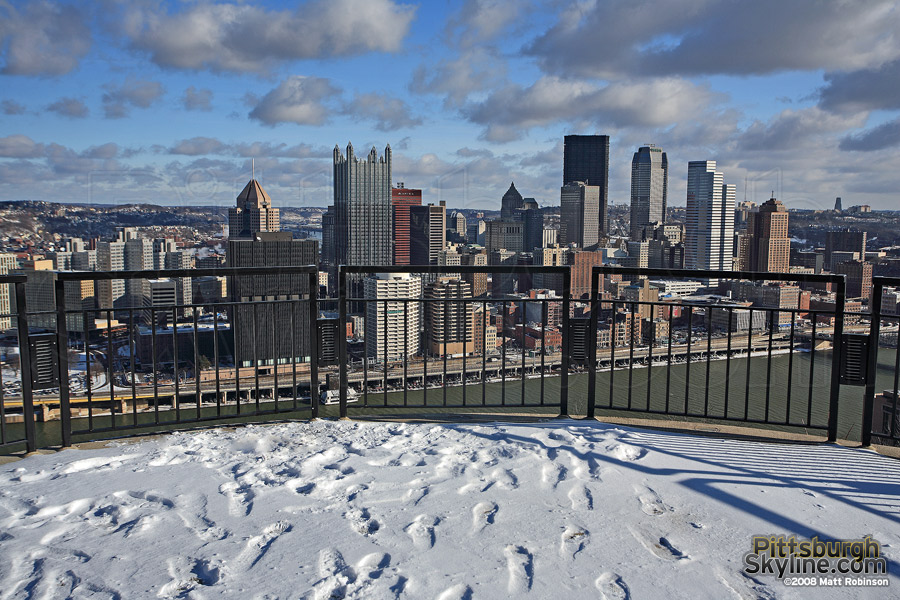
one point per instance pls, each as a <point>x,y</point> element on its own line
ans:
<point>709,231</point>
<point>458,223</point>
<point>448,325</point>
<point>504,235</point>
<point>859,277</point>
<point>40,297</point>
<point>837,204</point>
<point>478,281</point>
<point>139,256</point>
<point>534,229</point>
<point>638,254</point>
<point>476,230</point>
<point>402,200</point>
<point>363,211</point>
<point>586,158</point>
<point>253,213</point>
<point>85,260</point>
<point>579,214</point>
<point>263,333</point>
<point>511,203</point>
<point>184,291</point>
<point>503,283</point>
<point>328,237</point>
<point>8,263</point>
<point>392,332</point>
<point>766,247</point>
<point>845,240</point>
<point>649,185</point>
<point>110,257</point>
<point>427,233</point>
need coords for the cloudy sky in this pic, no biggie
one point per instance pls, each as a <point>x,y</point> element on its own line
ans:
<point>167,102</point>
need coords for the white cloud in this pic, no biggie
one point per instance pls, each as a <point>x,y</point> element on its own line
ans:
<point>240,37</point>
<point>388,113</point>
<point>297,99</point>
<point>42,38</point>
<point>197,99</point>
<point>117,100</point>
<point>72,108</point>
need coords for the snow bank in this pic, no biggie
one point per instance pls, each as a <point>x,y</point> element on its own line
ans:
<point>562,509</point>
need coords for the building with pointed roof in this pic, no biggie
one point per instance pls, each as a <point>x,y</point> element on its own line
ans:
<point>254,213</point>
<point>511,202</point>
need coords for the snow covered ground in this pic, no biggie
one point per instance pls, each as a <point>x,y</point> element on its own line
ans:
<point>559,509</point>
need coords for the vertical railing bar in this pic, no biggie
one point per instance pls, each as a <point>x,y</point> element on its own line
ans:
<point>446,335</point>
<point>110,378</point>
<point>315,350</point>
<point>365,304</point>
<point>293,306</point>
<point>62,345</point>
<point>484,349</point>
<point>386,357</point>
<point>89,381</point>
<point>342,338</point>
<point>405,350</point>
<point>749,355</point>
<point>462,316</point>
<point>544,314</point>
<point>155,368</point>
<point>612,353</point>
<point>669,360</point>
<point>133,373</point>
<point>424,336</point>
<point>25,359</point>
<point>593,324</point>
<point>812,369</point>
<point>687,373</point>
<point>728,361</point>
<point>276,393</point>
<point>176,400</point>
<point>566,344</point>
<point>197,391</point>
<point>630,354</point>
<point>787,414</point>
<point>216,359</point>
<point>837,345</point>
<point>894,415</point>
<point>524,310</point>
<point>503,358</point>
<point>773,316</point>
<point>256,353</point>
<point>708,312</point>
<point>651,320</point>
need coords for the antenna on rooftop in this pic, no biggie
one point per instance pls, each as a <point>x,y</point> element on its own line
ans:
<point>253,168</point>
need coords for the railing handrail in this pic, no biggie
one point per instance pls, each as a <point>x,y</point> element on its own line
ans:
<point>707,274</point>
<point>468,269</point>
<point>164,273</point>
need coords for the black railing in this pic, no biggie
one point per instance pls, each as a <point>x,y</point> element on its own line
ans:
<point>125,369</point>
<point>753,407</point>
<point>881,419</point>
<point>439,356</point>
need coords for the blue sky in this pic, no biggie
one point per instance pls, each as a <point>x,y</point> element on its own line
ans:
<point>168,102</point>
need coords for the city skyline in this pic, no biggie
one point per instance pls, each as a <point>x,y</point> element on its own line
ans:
<point>129,104</point>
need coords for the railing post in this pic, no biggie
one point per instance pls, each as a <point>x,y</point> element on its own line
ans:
<point>342,339</point>
<point>567,344</point>
<point>592,344</point>
<point>314,339</point>
<point>62,346</point>
<point>840,306</point>
<point>25,367</point>
<point>872,363</point>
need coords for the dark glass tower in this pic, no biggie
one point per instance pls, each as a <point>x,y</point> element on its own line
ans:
<point>586,158</point>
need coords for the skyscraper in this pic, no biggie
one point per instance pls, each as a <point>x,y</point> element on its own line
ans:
<point>392,332</point>
<point>766,246</point>
<point>449,324</point>
<point>402,199</point>
<point>579,214</point>
<point>427,233</point>
<point>649,185</point>
<point>845,240</point>
<point>263,332</point>
<point>709,231</point>
<point>363,210</point>
<point>254,212</point>
<point>511,203</point>
<point>586,158</point>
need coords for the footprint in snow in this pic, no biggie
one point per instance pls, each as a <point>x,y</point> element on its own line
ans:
<point>581,498</point>
<point>650,501</point>
<point>421,530</point>
<point>483,515</point>
<point>573,540</point>
<point>520,567</point>
<point>612,587</point>
<point>660,547</point>
<point>361,521</point>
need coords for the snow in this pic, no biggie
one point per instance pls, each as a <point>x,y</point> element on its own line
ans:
<point>325,509</point>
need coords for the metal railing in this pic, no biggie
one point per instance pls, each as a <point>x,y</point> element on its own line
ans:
<point>886,429</point>
<point>506,368</point>
<point>169,364</point>
<point>696,401</point>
